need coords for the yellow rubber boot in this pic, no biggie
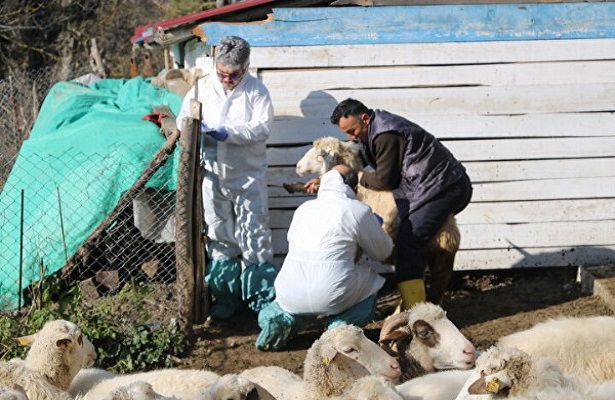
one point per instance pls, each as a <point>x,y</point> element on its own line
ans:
<point>412,292</point>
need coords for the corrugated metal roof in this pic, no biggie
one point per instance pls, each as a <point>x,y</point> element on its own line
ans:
<point>245,11</point>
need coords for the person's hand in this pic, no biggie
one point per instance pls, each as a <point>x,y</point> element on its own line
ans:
<point>312,186</point>
<point>204,127</point>
<point>219,134</point>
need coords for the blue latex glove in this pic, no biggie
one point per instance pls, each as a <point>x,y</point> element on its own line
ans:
<point>379,218</point>
<point>257,289</point>
<point>220,134</point>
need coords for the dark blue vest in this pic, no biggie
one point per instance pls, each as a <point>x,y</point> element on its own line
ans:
<point>428,168</point>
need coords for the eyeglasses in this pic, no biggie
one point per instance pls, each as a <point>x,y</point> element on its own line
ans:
<point>235,76</point>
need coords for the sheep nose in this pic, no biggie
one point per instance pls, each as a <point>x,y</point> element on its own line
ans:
<point>470,351</point>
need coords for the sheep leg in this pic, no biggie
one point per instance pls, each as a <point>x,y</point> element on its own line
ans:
<point>440,272</point>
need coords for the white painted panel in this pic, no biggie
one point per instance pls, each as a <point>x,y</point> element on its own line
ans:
<point>300,82</point>
<point>516,237</point>
<point>498,171</point>
<point>495,100</point>
<point>432,53</point>
<point>513,149</point>
<point>514,212</point>
<point>555,189</point>
<point>305,129</point>
<point>492,150</point>
<point>535,257</point>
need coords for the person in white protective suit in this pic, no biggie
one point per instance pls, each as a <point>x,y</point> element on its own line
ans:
<point>319,275</point>
<point>237,113</point>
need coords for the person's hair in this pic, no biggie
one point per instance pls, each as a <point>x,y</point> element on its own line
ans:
<point>351,178</point>
<point>347,108</point>
<point>233,52</point>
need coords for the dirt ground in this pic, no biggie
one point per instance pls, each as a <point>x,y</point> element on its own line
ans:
<point>483,304</point>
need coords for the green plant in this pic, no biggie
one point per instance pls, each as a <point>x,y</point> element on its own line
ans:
<point>117,325</point>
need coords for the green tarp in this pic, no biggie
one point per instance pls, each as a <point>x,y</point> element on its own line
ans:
<point>88,146</point>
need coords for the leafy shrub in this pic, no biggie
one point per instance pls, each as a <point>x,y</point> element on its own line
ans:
<point>117,326</point>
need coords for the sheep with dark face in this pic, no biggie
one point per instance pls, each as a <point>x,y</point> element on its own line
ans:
<point>439,253</point>
<point>426,341</point>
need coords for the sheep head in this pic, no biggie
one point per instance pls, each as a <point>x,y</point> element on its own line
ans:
<point>341,356</point>
<point>59,350</point>
<point>15,392</point>
<point>426,341</point>
<point>326,153</point>
<point>513,371</point>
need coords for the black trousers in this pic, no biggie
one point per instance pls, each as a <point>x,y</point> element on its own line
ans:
<point>420,225</point>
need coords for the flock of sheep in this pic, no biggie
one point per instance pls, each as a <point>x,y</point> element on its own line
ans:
<point>421,355</point>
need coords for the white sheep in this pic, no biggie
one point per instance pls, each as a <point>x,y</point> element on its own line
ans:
<point>440,385</point>
<point>371,388</point>
<point>57,352</point>
<point>426,341</point>
<point>14,392</point>
<point>581,346</point>
<point>234,387</point>
<point>439,253</point>
<point>332,364</point>
<point>35,384</point>
<point>522,376</point>
<point>138,390</point>
<point>87,378</point>
<point>181,383</point>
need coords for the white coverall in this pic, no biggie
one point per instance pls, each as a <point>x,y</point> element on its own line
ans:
<point>235,198</point>
<point>319,275</point>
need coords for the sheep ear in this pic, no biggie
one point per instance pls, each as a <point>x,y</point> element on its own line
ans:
<point>393,336</point>
<point>64,342</point>
<point>328,353</point>
<point>25,340</point>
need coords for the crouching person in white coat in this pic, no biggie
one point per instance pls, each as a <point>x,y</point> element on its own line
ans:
<point>319,275</point>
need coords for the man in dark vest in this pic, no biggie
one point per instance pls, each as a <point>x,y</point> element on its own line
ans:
<point>428,183</point>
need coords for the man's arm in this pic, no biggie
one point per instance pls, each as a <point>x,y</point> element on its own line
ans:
<point>389,152</point>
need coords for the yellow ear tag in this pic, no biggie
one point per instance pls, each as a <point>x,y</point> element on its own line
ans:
<point>22,341</point>
<point>325,360</point>
<point>493,386</point>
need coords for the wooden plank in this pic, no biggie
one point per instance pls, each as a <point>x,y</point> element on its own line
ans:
<point>535,257</point>
<point>519,212</point>
<point>492,150</point>
<point>513,212</point>
<point>498,171</point>
<point>521,236</point>
<point>555,189</point>
<point>531,149</point>
<point>518,74</point>
<point>497,100</point>
<point>304,130</point>
<point>452,53</point>
<point>422,24</point>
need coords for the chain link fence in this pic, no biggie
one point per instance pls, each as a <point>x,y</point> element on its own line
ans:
<point>133,242</point>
